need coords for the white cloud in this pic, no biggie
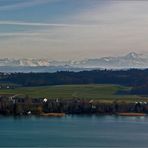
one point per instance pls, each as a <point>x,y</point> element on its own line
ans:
<point>27,3</point>
<point>21,23</point>
<point>115,29</point>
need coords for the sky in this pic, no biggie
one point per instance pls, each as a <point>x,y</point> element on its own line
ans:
<point>72,29</point>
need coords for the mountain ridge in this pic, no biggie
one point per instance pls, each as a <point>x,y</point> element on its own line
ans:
<point>130,60</point>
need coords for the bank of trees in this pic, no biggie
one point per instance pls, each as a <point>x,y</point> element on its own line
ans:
<point>71,106</point>
<point>136,78</point>
<point>132,77</point>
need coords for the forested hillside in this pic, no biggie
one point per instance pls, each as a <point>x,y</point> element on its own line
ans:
<point>133,77</point>
<point>138,79</point>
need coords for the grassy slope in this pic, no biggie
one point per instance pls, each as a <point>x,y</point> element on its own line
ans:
<point>71,91</point>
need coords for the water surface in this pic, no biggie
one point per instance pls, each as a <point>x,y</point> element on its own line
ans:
<point>74,131</point>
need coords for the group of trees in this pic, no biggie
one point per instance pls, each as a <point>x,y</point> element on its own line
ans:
<point>29,106</point>
<point>136,78</point>
<point>132,77</point>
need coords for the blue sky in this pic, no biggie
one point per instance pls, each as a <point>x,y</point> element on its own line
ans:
<point>72,29</point>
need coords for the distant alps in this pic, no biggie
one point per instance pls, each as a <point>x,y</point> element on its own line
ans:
<point>130,60</point>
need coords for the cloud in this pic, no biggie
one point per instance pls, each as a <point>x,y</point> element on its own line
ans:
<point>20,23</point>
<point>115,29</point>
<point>24,4</point>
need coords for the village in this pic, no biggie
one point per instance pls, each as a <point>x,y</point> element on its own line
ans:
<point>23,106</point>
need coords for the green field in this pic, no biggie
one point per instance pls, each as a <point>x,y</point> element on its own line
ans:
<point>101,92</point>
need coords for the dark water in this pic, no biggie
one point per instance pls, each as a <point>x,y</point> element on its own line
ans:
<point>74,131</point>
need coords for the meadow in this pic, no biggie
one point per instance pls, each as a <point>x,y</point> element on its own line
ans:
<point>91,91</point>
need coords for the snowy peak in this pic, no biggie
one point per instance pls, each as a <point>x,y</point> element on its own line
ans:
<point>130,60</point>
<point>133,55</point>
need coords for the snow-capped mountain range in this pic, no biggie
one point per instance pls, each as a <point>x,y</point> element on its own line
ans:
<point>131,60</point>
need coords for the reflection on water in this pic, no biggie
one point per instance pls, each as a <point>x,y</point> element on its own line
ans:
<point>74,131</point>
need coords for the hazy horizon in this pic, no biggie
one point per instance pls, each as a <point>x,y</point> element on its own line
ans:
<point>70,29</point>
<point>131,53</point>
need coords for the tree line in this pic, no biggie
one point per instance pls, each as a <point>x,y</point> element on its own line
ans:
<point>136,78</point>
<point>28,106</point>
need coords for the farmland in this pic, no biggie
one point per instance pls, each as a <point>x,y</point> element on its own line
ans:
<point>91,91</point>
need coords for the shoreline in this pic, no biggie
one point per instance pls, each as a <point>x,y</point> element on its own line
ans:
<point>53,114</point>
<point>131,114</point>
<point>125,114</point>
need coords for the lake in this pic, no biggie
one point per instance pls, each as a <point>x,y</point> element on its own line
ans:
<point>74,131</point>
